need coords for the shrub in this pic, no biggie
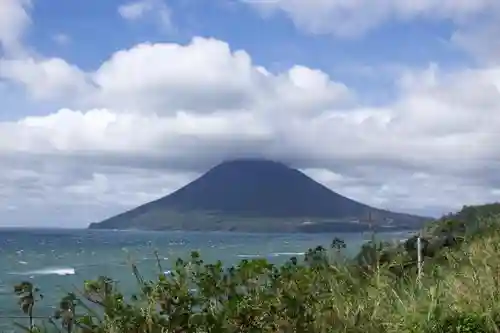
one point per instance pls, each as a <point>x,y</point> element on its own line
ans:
<point>377,292</point>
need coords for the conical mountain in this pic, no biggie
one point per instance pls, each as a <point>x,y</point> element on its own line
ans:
<point>252,195</point>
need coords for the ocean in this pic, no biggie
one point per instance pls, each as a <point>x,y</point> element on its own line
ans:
<point>57,261</point>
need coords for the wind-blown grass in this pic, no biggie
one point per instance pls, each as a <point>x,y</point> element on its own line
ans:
<point>377,292</point>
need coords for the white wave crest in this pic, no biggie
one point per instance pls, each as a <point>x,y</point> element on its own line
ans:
<point>250,256</point>
<point>49,271</point>
<point>274,254</point>
<point>278,254</point>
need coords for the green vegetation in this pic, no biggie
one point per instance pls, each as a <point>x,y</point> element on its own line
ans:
<point>377,291</point>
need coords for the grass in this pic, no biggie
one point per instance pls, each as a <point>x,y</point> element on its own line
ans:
<point>376,292</point>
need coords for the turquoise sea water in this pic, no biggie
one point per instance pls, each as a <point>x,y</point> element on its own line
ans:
<point>58,260</point>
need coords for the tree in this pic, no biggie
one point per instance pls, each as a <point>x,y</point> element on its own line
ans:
<point>338,244</point>
<point>27,295</point>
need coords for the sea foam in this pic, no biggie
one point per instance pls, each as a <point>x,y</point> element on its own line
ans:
<point>279,254</point>
<point>274,254</point>
<point>49,271</point>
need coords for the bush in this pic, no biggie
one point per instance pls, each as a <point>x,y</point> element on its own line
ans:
<point>462,323</point>
<point>377,292</point>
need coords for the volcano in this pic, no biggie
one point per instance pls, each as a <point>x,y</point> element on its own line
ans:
<point>253,195</point>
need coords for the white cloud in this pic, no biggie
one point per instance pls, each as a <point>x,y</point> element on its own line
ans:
<point>65,192</point>
<point>168,109</point>
<point>481,41</point>
<point>133,10</point>
<point>354,17</point>
<point>152,117</point>
<point>45,78</point>
<point>141,9</point>
<point>476,23</point>
<point>14,20</point>
<point>61,39</point>
<point>202,77</point>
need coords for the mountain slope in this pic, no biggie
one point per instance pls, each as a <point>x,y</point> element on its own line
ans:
<point>250,195</point>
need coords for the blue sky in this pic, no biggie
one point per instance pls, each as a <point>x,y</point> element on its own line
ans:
<point>96,31</point>
<point>109,104</point>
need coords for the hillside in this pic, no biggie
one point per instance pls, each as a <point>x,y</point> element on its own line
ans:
<point>255,196</point>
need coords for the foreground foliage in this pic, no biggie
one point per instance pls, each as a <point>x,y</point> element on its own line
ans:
<point>376,292</point>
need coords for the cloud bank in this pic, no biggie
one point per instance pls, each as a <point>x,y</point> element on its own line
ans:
<point>154,116</point>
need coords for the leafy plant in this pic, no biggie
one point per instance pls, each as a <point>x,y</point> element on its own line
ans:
<point>27,295</point>
<point>375,292</point>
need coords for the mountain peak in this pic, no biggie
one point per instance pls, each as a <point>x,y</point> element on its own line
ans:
<point>249,165</point>
<point>247,189</point>
<point>250,162</point>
